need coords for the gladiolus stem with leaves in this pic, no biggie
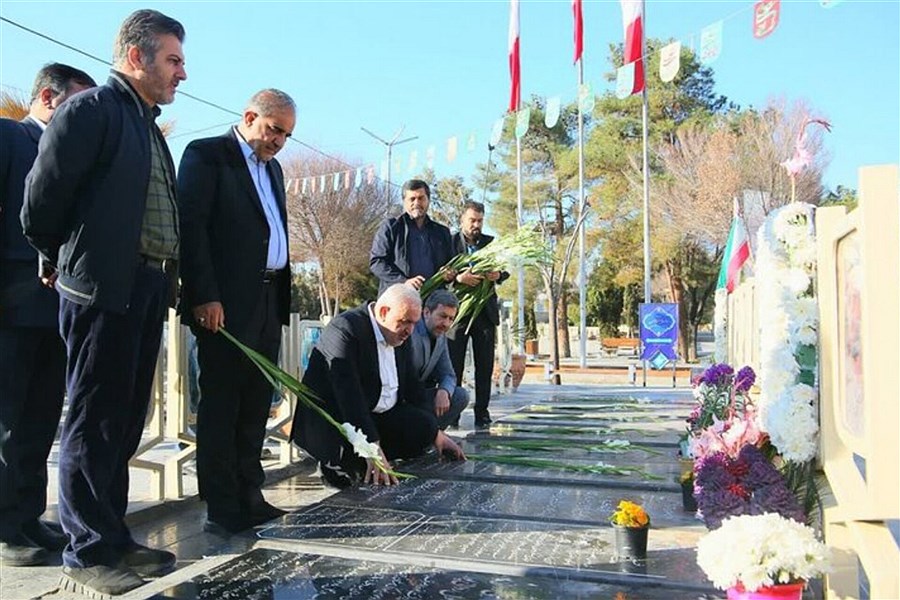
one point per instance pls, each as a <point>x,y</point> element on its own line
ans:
<point>281,380</point>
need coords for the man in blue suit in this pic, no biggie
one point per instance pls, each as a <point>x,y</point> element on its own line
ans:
<point>431,359</point>
<point>32,354</point>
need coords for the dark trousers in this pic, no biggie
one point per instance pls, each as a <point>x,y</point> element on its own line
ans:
<point>405,430</point>
<point>234,407</point>
<point>32,387</point>
<point>482,334</point>
<point>111,363</point>
<point>458,403</point>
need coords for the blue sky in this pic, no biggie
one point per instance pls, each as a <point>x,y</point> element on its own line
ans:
<point>440,68</point>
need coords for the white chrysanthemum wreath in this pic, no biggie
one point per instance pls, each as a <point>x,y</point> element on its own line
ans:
<point>788,318</point>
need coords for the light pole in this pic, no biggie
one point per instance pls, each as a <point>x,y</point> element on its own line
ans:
<point>390,146</point>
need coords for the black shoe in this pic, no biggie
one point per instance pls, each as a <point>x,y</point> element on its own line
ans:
<point>263,512</point>
<point>483,422</point>
<point>226,527</point>
<point>21,552</point>
<point>145,561</point>
<point>335,476</point>
<point>99,581</point>
<point>45,534</point>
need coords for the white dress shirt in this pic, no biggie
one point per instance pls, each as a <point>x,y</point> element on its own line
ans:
<point>277,254</point>
<point>387,368</point>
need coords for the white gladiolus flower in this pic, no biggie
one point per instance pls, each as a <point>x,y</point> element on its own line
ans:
<point>361,445</point>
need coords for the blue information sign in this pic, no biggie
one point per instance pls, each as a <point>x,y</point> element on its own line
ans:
<point>659,333</point>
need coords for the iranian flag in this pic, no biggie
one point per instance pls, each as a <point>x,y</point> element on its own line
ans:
<point>633,22</point>
<point>737,251</point>
<point>515,92</point>
<point>579,29</point>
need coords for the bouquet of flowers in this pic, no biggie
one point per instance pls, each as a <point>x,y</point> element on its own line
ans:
<point>523,248</point>
<point>761,550</point>
<point>629,514</point>
<point>747,484</point>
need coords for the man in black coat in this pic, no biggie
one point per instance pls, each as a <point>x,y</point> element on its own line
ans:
<point>362,371</point>
<point>32,355</point>
<point>410,248</point>
<point>236,274</point>
<point>100,207</point>
<point>483,331</point>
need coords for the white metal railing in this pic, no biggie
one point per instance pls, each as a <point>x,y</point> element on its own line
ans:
<point>170,418</point>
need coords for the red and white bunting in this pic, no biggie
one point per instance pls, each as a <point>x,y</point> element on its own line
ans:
<point>765,17</point>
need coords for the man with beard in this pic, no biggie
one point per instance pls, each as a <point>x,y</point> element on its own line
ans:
<point>431,358</point>
<point>100,208</point>
<point>410,248</point>
<point>361,370</point>
<point>483,330</point>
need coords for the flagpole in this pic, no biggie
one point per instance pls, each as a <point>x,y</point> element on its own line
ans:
<point>582,284</point>
<point>645,120</point>
<point>520,288</point>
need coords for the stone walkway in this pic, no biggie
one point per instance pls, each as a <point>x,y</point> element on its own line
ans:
<point>479,529</point>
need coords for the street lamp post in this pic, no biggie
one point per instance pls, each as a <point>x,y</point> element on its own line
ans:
<point>390,146</point>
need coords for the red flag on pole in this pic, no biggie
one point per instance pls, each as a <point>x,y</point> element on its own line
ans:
<point>633,22</point>
<point>579,29</point>
<point>515,92</point>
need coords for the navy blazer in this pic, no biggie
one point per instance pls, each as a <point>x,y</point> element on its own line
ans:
<point>24,301</point>
<point>343,372</point>
<point>224,232</point>
<point>388,259</point>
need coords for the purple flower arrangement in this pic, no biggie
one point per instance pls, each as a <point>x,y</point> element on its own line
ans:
<point>746,485</point>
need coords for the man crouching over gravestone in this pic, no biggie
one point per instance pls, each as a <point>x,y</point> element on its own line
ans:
<point>361,370</point>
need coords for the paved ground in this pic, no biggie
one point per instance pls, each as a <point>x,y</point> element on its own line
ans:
<point>481,529</point>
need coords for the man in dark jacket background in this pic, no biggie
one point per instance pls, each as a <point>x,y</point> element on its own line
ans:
<point>410,248</point>
<point>32,355</point>
<point>483,331</point>
<point>100,207</point>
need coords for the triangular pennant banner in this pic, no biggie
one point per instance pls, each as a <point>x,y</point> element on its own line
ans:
<point>670,61</point>
<point>347,180</point>
<point>451,149</point>
<point>413,160</point>
<point>496,132</point>
<point>370,174</point>
<point>624,81</point>
<point>429,156</point>
<point>312,184</point>
<point>303,185</point>
<point>710,43</point>
<point>765,17</point>
<point>336,184</point>
<point>523,119</point>
<point>296,186</point>
<point>586,98</point>
<point>287,186</point>
<point>359,171</point>
<point>472,142</point>
<point>551,113</point>
<point>322,184</point>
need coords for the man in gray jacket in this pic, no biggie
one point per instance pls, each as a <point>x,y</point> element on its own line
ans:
<point>431,359</point>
